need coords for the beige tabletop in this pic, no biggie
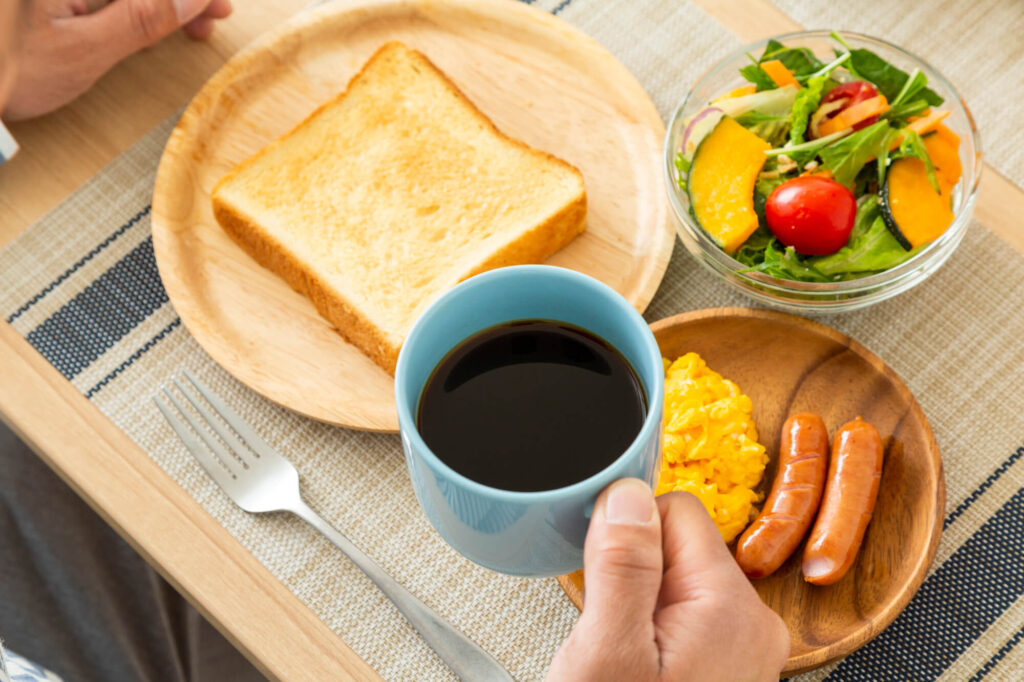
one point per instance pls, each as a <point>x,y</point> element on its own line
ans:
<point>167,526</point>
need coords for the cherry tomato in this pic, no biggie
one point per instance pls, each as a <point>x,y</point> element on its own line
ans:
<point>812,214</point>
<point>853,92</point>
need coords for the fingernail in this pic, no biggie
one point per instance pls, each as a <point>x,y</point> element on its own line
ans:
<point>630,502</point>
<point>189,9</point>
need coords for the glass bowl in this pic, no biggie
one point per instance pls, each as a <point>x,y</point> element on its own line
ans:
<point>828,296</point>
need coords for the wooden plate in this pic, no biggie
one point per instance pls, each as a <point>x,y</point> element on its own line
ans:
<point>537,78</point>
<point>788,364</point>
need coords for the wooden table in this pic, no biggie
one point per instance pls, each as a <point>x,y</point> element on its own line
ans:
<point>196,554</point>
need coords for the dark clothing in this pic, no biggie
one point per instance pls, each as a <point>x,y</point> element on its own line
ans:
<point>75,598</point>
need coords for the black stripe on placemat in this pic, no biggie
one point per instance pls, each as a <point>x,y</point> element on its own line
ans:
<point>998,656</point>
<point>133,357</point>
<point>111,238</point>
<point>979,491</point>
<point>562,5</point>
<point>102,313</point>
<point>954,606</point>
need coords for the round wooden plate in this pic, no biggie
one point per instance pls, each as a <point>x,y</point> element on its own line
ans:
<point>788,364</point>
<point>536,77</point>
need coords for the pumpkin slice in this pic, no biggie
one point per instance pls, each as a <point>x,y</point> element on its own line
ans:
<point>945,155</point>
<point>912,210</point>
<point>721,183</point>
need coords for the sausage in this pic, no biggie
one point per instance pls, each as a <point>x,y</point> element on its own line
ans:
<point>850,493</point>
<point>794,498</point>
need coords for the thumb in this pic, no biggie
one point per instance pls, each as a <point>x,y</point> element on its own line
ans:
<point>126,26</point>
<point>623,562</point>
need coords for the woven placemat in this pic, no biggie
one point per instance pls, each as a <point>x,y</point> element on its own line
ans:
<point>82,286</point>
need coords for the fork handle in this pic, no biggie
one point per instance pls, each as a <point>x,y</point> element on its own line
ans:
<point>461,654</point>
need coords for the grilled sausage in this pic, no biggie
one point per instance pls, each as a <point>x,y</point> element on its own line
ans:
<point>850,493</point>
<point>790,507</point>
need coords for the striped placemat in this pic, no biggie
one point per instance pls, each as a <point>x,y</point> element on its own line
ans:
<point>82,286</point>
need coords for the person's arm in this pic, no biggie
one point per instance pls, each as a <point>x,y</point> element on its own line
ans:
<point>664,599</point>
<point>63,48</point>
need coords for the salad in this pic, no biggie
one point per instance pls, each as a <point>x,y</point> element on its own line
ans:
<point>821,172</point>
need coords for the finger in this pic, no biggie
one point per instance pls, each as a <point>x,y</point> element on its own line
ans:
<point>199,28</point>
<point>218,9</point>
<point>125,26</point>
<point>202,26</point>
<point>697,560</point>
<point>623,563</point>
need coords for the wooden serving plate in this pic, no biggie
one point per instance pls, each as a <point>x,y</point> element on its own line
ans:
<point>536,77</point>
<point>788,364</point>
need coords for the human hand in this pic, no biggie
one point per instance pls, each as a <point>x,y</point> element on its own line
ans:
<point>65,48</point>
<point>665,600</point>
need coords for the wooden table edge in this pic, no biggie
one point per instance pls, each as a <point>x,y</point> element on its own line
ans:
<point>254,610</point>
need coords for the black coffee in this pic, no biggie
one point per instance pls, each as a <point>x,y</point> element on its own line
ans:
<point>531,405</point>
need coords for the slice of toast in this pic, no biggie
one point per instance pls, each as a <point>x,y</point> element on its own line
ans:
<point>390,194</point>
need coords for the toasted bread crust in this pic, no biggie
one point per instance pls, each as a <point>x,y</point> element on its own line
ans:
<point>271,254</point>
<point>535,245</point>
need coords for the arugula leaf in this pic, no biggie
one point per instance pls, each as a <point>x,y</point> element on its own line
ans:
<point>901,112</point>
<point>887,78</point>
<point>915,84</point>
<point>912,145</point>
<point>802,153</point>
<point>756,75</point>
<point>846,157</point>
<point>806,103</point>
<point>873,250</point>
<point>799,60</point>
<point>827,69</point>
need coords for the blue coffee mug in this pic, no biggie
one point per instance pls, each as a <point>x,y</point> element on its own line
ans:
<point>535,534</point>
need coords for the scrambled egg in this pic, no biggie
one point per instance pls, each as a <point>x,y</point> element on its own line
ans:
<point>709,446</point>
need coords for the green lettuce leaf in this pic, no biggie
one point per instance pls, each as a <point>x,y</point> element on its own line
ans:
<point>871,248</point>
<point>785,263</point>
<point>873,251</point>
<point>751,252</point>
<point>762,189</point>
<point>807,100</point>
<point>847,156</point>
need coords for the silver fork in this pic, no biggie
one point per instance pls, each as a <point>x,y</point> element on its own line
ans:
<point>259,479</point>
